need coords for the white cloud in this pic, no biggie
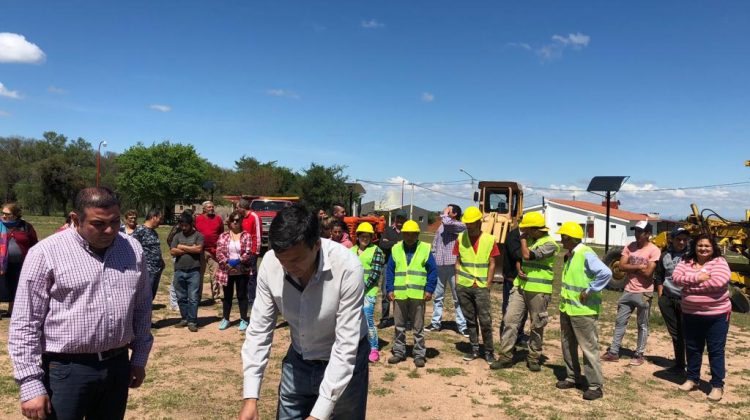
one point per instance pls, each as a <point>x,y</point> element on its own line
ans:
<point>576,40</point>
<point>282,93</point>
<point>4,113</point>
<point>160,107</point>
<point>428,97</point>
<point>555,49</point>
<point>372,24</point>
<point>13,94</point>
<point>56,90</point>
<point>14,48</point>
<point>521,45</point>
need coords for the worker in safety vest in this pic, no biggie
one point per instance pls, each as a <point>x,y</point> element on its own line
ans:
<point>475,268</point>
<point>583,278</point>
<point>372,259</point>
<point>531,293</point>
<point>411,277</point>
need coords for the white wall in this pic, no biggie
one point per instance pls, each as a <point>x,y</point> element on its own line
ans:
<point>556,215</point>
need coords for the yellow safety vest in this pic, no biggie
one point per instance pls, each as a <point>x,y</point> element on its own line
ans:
<point>410,278</point>
<point>474,266</point>
<point>574,281</point>
<point>366,259</point>
<point>539,273</point>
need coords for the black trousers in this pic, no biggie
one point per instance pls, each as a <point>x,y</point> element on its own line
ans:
<point>671,311</point>
<point>476,306</point>
<point>240,282</point>
<point>94,390</point>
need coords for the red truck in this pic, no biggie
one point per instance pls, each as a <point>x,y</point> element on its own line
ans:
<point>266,209</point>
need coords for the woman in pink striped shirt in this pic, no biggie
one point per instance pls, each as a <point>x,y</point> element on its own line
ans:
<point>704,277</point>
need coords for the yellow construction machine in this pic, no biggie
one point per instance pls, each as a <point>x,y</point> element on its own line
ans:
<point>501,203</point>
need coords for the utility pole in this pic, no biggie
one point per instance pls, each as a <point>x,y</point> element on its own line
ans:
<point>411,205</point>
<point>99,159</point>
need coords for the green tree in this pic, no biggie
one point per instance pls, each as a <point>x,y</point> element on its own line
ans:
<point>320,186</point>
<point>161,175</point>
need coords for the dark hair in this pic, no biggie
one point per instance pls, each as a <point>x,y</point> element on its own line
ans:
<point>244,204</point>
<point>456,209</point>
<point>14,208</point>
<point>185,218</point>
<point>292,225</point>
<point>131,213</point>
<point>237,214</point>
<point>691,254</point>
<point>94,197</point>
<point>154,212</point>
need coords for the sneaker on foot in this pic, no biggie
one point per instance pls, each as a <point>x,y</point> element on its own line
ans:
<point>243,325</point>
<point>716,394</point>
<point>565,384</point>
<point>502,362</point>
<point>224,324</point>
<point>182,324</point>
<point>592,394</point>
<point>465,332</point>
<point>474,354</point>
<point>419,362</point>
<point>489,357</point>
<point>533,365</point>
<point>374,356</point>
<point>688,385</point>
<point>610,357</point>
<point>431,328</point>
<point>395,359</point>
<point>192,327</point>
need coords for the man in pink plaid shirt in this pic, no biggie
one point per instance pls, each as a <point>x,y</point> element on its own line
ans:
<point>83,301</point>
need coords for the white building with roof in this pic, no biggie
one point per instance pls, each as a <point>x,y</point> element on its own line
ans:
<point>592,218</point>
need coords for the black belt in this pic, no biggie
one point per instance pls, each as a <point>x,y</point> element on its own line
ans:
<point>86,357</point>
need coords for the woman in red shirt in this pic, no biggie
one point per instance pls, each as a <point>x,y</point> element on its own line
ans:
<point>20,237</point>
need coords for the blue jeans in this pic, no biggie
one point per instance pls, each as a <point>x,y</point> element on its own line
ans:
<point>372,331</point>
<point>446,277</point>
<point>300,384</point>
<point>186,286</point>
<point>706,331</point>
<point>91,389</point>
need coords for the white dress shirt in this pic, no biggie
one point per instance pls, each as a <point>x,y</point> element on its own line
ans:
<point>325,319</point>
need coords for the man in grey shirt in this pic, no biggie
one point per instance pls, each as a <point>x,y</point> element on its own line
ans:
<point>186,247</point>
<point>318,286</point>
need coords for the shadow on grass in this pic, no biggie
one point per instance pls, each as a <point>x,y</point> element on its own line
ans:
<point>169,322</point>
<point>430,352</point>
<point>666,375</point>
<point>281,325</point>
<point>382,343</point>
<point>157,306</point>
<point>660,361</point>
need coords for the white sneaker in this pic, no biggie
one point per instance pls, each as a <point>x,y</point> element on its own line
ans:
<point>688,386</point>
<point>716,394</point>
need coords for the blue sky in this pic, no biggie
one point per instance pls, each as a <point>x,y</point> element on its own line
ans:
<point>546,93</point>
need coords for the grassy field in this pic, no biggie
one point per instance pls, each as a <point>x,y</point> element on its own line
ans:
<point>198,375</point>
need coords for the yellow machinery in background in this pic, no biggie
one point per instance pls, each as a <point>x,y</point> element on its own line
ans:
<point>501,203</point>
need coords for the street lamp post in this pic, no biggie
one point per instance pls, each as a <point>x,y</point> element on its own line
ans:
<point>472,180</point>
<point>99,159</point>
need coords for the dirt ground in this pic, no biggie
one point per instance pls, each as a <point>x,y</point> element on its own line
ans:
<point>199,376</point>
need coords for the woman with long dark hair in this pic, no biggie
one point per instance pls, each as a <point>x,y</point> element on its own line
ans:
<point>234,255</point>
<point>703,275</point>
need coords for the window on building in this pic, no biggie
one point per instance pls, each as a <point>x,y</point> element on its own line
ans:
<point>421,219</point>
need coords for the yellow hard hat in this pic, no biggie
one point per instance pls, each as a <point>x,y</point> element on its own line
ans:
<point>532,219</point>
<point>365,227</point>
<point>471,215</point>
<point>572,229</point>
<point>410,226</point>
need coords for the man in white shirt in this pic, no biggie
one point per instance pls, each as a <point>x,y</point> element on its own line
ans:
<point>318,286</point>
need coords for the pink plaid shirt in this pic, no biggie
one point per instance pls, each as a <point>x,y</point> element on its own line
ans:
<point>70,300</point>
